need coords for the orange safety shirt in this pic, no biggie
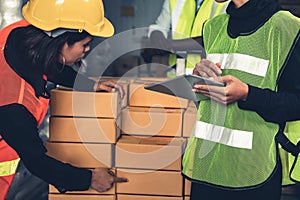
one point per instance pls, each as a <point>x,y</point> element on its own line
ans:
<point>15,90</point>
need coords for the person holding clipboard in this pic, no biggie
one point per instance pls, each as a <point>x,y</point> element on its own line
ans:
<point>233,151</point>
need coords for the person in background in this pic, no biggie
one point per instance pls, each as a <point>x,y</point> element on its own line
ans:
<point>233,152</point>
<point>53,37</point>
<point>185,19</point>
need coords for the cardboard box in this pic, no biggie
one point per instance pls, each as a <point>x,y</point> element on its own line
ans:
<point>122,81</point>
<point>149,153</point>
<point>112,191</point>
<point>187,198</point>
<point>82,155</point>
<point>152,121</point>
<point>85,104</point>
<point>189,120</point>
<point>187,187</point>
<point>95,130</point>
<point>80,197</point>
<point>138,96</point>
<point>164,183</point>
<point>142,197</point>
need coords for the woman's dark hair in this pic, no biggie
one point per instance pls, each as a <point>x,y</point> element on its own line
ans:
<point>42,51</point>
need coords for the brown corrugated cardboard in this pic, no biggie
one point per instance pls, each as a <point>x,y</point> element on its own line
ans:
<point>149,153</point>
<point>189,119</point>
<point>85,104</point>
<point>164,183</point>
<point>122,81</point>
<point>152,121</point>
<point>80,197</point>
<point>143,197</point>
<point>187,187</point>
<point>138,96</point>
<point>95,130</point>
<point>53,190</point>
<point>82,155</point>
<point>187,198</point>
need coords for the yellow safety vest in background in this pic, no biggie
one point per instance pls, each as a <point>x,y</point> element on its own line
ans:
<point>292,131</point>
<point>186,23</point>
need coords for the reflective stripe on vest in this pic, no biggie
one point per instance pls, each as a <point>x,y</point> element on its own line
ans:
<point>245,63</point>
<point>183,14</point>
<point>222,135</point>
<point>9,160</point>
<point>217,156</point>
<point>9,167</point>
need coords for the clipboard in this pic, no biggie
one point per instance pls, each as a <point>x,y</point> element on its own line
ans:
<point>182,86</point>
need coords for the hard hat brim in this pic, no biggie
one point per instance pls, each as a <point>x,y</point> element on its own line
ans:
<point>107,30</point>
<point>101,28</point>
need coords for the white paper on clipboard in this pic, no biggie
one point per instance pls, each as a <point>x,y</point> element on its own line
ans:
<point>182,86</point>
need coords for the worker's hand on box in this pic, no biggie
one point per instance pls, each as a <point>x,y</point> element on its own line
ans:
<point>104,179</point>
<point>108,86</point>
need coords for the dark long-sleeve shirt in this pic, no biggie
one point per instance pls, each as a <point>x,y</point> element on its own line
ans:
<point>19,128</point>
<point>284,105</point>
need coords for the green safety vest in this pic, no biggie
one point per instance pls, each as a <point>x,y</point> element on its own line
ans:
<point>286,166</point>
<point>231,147</point>
<point>187,25</point>
<point>293,132</point>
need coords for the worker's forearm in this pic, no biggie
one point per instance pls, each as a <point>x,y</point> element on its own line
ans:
<point>277,107</point>
<point>19,129</point>
<point>61,175</point>
<point>188,44</point>
<point>70,78</point>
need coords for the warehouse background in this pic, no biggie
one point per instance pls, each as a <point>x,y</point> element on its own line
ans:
<point>126,15</point>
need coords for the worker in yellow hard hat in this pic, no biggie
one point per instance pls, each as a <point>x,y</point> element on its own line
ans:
<point>54,36</point>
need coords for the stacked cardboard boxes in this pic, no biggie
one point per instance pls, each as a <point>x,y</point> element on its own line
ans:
<point>152,165</point>
<point>189,120</point>
<point>150,150</point>
<point>84,131</point>
<point>151,113</point>
<point>84,127</point>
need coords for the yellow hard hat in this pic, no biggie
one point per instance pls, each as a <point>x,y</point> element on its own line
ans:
<point>80,15</point>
